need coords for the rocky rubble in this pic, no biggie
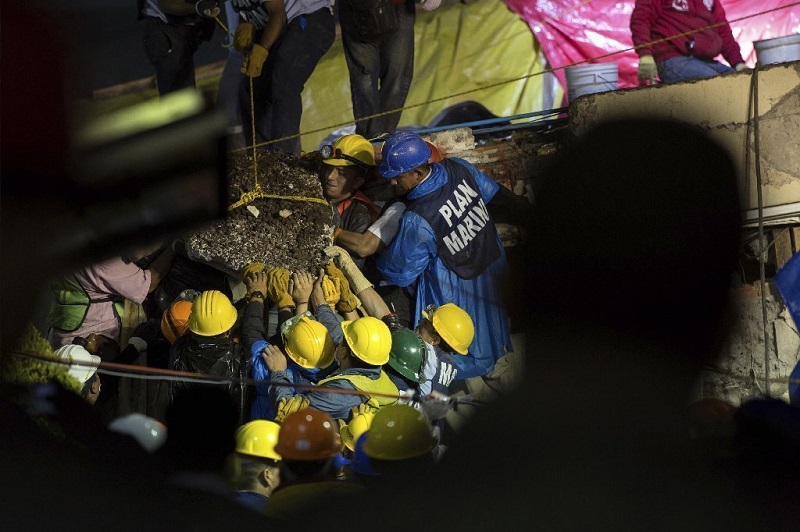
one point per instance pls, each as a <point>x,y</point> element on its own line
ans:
<point>278,232</point>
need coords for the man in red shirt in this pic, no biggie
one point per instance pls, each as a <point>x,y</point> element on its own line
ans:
<point>677,40</point>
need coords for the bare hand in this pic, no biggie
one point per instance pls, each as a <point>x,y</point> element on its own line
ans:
<point>300,286</point>
<point>317,293</point>
<point>274,358</point>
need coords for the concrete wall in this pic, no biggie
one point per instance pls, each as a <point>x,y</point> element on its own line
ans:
<point>720,105</point>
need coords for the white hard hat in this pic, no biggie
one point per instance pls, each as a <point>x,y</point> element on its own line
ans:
<point>82,364</point>
<point>148,432</point>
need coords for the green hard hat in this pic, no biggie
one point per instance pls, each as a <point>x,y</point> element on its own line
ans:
<point>407,355</point>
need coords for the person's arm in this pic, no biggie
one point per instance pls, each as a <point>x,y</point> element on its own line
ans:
<point>409,253</point>
<point>362,244</point>
<point>372,302</point>
<point>277,21</point>
<point>300,286</point>
<point>159,267</point>
<point>641,26</point>
<point>507,207</point>
<point>377,236</point>
<point>730,48</point>
<point>327,317</point>
<point>252,328</point>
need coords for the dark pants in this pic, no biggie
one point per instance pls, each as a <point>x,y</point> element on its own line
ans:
<point>380,71</point>
<point>170,48</point>
<point>277,101</point>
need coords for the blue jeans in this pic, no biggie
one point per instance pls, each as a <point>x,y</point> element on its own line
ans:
<point>683,68</point>
<point>277,101</point>
<point>380,71</point>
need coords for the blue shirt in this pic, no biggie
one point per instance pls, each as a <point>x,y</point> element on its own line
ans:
<point>412,256</point>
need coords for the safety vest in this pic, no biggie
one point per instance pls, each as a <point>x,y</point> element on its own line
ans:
<point>71,304</point>
<point>382,385</point>
<point>464,229</point>
<point>362,198</point>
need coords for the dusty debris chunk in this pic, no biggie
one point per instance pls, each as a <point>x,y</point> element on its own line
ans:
<point>294,224</point>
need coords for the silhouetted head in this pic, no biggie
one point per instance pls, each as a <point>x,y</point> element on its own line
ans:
<point>636,232</point>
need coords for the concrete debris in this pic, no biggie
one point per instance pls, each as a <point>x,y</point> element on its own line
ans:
<point>290,231</point>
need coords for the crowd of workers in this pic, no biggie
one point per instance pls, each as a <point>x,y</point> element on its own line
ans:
<point>345,392</point>
<point>328,382</point>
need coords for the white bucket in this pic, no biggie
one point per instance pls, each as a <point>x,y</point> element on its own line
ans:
<point>778,50</point>
<point>589,79</point>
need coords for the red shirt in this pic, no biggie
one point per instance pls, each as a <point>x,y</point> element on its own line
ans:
<point>653,20</point>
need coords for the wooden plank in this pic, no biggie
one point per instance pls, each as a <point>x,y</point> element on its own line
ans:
<point>138,85</point>
<point>796,239</point>
<point>782,239</point>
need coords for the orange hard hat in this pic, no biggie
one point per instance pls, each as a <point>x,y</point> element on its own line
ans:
<point>175,320</point>
<point>308,434</point>
<point>436,154</point>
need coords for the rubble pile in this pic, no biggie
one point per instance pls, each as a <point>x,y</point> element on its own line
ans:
<point>278,232</point>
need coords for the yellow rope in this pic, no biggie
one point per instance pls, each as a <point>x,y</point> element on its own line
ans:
<point>253,133</point>
<point>248,197</point>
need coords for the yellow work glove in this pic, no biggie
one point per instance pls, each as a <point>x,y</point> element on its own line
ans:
<point>253,267</point>
<point>254,61</point>
<point>342,425</point>
<point>278,287</point>
<point>647,70</point>
<point>348,302</point>
<point>243,38</point>
<point>363,408</point>
<point>290,406</point>
<point>332,289</point>
<point>358,282</point>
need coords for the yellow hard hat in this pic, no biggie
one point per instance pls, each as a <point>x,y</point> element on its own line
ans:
<point>453,324</point>
<point>350,150</point>
<point>399,432</point>
<point>357,426</point>
<point>212,314</point>
<point>369,339</point>
<point>258,438</point>
<point>309,344</point>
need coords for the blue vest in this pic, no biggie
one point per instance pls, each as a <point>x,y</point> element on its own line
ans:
<point>464,229</point>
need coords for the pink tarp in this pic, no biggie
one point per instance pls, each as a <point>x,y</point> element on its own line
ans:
<point>573,31</point>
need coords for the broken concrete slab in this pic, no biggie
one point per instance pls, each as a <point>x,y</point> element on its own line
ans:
<point>283,220</point>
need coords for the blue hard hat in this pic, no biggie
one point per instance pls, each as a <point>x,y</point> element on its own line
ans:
<point>403,151</point>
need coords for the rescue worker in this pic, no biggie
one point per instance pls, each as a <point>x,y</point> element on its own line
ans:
<point>91,299</point>
<point>257,463</point>
<point>306,341</point>
<point>678,41</point>
<point>209,347</point>
<point>365,349</point>
<point>175,320</point>
<point>406,360</point>
<point>446,330</point>
<point>308,444</point>
<point>447,244</point>
<point>346,165</point>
